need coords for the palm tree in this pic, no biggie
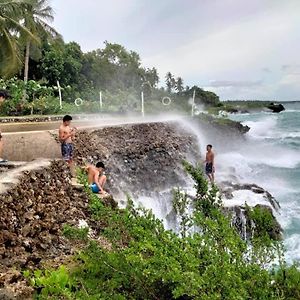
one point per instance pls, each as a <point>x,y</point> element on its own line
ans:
<point>36,16</point>
<point>10,29</point>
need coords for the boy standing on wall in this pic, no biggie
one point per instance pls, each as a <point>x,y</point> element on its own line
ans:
<point>3,96</point>
<point>66,136</point>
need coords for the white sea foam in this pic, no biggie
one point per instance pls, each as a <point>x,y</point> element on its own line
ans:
<point>292,245</point>
<point>262,128</point>
<point>290,211</point>
<point>246,196</point>
<point>268,146</point>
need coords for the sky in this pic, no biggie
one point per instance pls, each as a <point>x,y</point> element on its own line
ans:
<point>239,49</point>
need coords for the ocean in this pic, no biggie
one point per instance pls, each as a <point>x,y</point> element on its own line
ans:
<point>270,157</point>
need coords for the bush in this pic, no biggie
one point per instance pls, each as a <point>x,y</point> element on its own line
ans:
<point>74,233</point>
<point>207,260</point>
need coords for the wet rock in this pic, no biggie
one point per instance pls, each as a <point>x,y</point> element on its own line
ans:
<point>139,156</point>
<point>33,213</point>
<point>228,188</point>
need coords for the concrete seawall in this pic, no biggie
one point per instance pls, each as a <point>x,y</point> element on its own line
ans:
<point>26,146</point>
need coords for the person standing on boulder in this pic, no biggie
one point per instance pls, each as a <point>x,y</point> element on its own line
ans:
<point>210,163</point>
<point>66,136</point>
<point>3,96</point>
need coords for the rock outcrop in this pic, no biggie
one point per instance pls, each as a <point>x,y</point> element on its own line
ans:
<point>32,215</point>
<point>276,108</point>
<point>141,157</point>
<point>239,213</point>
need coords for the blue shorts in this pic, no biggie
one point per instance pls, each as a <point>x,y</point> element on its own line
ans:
<point>94,188</point>
<point>67,151</point>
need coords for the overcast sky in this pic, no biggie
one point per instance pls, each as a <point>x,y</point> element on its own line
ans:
<point>240,49</point>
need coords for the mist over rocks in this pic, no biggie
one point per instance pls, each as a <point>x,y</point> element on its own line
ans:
<point>141,157</point>
<point>144,160</point>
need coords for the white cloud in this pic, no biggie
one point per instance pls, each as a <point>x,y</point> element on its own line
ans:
<point>228,41</point>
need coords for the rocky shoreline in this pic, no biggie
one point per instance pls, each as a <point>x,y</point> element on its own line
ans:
<point>142,160</point>
<point>32,215</point>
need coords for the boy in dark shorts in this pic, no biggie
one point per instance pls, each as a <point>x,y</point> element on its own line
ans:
<point>66,136</point>
<point>210,163</point>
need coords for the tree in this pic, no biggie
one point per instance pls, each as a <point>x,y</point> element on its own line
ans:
<point>169,81</point>
<point>114,67</point>
<point>11,13</point>
<point>62,62</point>
<point>179,85</point>
<point>36,15</point>
<point>150,76</point>
<point>202,97</point>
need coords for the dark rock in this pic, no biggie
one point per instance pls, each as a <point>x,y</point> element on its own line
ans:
<point>276,108</point>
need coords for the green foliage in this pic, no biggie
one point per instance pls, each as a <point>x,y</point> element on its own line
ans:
<point>206,98</point>
<point>221,122</point>
<point>40,98</point>
<point>287,282</point>
<point>263,220</point>
<point>181,202</point>
<point>52,284</point>
<point>11,27</point>
<point>75,233</point>
<point>208,260</point>
<point>201,184</point>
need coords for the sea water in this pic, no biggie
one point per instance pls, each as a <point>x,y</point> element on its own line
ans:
<point>270,157</point>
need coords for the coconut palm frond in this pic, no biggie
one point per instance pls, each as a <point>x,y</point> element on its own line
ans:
<point>9,54</point>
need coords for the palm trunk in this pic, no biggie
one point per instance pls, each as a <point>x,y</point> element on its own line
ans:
<point>26,68</point>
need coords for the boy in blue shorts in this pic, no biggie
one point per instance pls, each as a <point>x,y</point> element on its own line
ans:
<point>96,178</point>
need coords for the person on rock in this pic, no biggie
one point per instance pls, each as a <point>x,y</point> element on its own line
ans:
<point>3,97</point>
<point>66,136</point>
<point>97,178</point>
<point>210,163</point>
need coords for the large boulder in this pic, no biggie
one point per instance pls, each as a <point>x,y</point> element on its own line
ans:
<point>276,108</point>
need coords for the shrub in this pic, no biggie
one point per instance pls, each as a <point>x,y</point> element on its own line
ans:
<point>207,260</point>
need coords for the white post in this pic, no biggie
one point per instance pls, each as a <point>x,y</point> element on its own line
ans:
<point>59,93</point>
<point>143,111</point>
<point>100,100</point>
<point>193,102</point>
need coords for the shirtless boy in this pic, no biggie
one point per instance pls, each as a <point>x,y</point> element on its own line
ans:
<point>3,96</point>
<point>66,136</point>
<point>96,177</point>
<point>210,163</point>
